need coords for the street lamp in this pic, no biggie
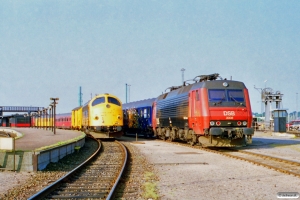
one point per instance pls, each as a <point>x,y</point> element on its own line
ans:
<point>50,116</point>
<point>54,110</point>
<point>129,93</point>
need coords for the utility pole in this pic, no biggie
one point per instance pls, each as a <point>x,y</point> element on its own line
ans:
<point>296,106</point>
<point>126,92</point>
<point>182,70</point>
<point>54,112</point>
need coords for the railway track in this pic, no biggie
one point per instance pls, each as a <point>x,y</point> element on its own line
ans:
<point>278,164</point>
<point>137,175</point>
<point>95,178</point>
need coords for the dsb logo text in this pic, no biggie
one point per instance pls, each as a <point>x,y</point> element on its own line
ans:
<point>229,113</point>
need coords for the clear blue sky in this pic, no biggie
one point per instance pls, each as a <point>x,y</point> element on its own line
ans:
<point>50,48</point>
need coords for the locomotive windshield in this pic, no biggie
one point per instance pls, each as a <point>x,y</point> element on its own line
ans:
<point>113,101</point>
<point>235,95</point>
<point>226,97</point>
<point>98,101</point>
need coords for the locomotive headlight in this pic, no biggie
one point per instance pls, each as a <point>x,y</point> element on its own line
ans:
<point>107,106</point>
<point>96,118</point>
<point>225,84</point>
<point>239,123</point>
<point>244,123</point>
<point>218,123</point>
<point>119,117</point>
<point>212,123</point>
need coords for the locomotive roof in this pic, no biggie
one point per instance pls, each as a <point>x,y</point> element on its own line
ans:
<point>219,84</point>
<point>100,95</point>
<point>137,104</point>
<point>213,84</point>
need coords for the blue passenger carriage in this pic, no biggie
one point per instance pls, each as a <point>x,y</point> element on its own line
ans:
<point>137,117</point>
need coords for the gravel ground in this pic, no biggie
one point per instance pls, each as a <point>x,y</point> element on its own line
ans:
<point>186,173</point>
<point>280,145</point>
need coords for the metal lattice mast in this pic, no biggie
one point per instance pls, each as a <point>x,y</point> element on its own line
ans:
<point>80,96</point>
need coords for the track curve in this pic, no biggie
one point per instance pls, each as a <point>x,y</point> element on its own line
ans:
<point>96,177</point>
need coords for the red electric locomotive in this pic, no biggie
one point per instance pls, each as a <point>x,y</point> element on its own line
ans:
<point>208,112</point>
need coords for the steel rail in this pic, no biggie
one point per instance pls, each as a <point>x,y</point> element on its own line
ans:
<point>44,192</point>
<point>109,196</point>
<point>269,166</point>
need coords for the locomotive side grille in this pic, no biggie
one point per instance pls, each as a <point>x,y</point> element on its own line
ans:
<point>173,107</point>
<point>173,110</point>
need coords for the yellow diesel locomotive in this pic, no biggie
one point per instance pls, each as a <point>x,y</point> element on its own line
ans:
<point>102,116</point>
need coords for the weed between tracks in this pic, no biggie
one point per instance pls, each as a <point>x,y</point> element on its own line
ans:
<point>150,186</point>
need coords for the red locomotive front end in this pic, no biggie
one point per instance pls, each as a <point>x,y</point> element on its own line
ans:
<point>221,113</point>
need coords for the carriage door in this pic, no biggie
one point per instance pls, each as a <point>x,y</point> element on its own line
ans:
<point>195,111</point>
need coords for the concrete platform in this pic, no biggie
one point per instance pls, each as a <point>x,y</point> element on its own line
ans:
<point>36,148</point>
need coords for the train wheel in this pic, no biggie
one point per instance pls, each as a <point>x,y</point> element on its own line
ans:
<point>172,135</point>
<point>193,139</point>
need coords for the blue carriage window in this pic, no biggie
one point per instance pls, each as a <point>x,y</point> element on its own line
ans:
<point>216,95</point>
<point>141,111</point>
<point>113,101</point>
<point>98,101</point>
<point>235,95</point>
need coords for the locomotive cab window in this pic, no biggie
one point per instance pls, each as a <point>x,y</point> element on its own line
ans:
<point>216,95</point>
<point>235,95</point>
<point>227,97</point>
<point>98,101</point>
<point>113,101</point>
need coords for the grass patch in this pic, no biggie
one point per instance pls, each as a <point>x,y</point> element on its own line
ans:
<point>150,186</point>
<point>61,143</point>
